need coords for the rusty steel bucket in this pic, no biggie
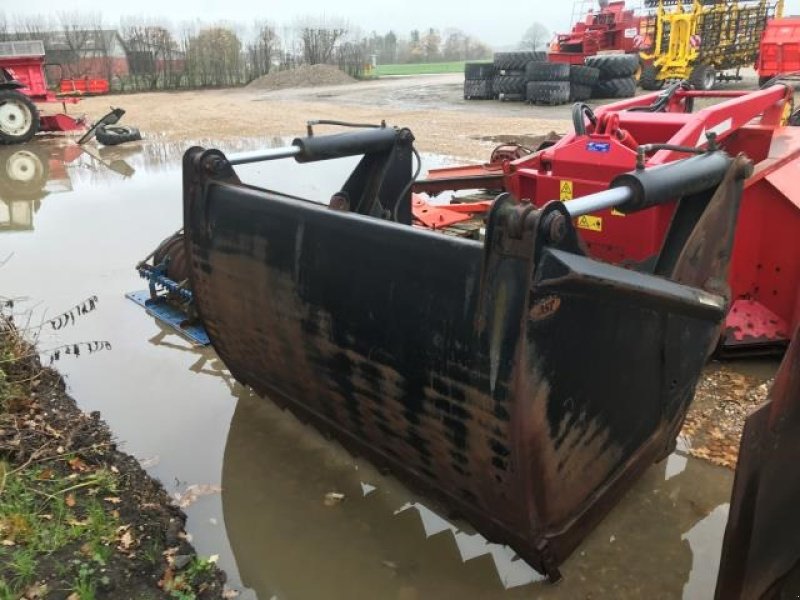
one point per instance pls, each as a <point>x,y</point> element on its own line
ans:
<point>519,383</point>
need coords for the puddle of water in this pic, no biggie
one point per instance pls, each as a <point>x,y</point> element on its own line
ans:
<point>85,228</point>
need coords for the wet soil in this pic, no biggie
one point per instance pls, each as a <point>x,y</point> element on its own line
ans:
<point>136,548</point>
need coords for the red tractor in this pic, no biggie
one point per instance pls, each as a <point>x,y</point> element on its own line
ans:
<point>23,85</point>
<point>609,29</point>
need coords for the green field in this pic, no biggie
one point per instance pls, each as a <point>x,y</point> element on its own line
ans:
<point>420,68</point>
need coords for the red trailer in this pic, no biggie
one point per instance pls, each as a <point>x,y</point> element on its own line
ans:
<point>780,49</point>
<point>23,85</point>
<point>611,28</point>
<point>657,129</point>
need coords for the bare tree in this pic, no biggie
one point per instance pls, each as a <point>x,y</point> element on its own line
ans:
<point>262,50</point>
<point>319,38</point>
<point>76,27</point>
<point>535,37</point>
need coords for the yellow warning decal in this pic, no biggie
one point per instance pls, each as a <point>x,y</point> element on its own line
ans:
<point>590,222</point>
<point>565,190</point>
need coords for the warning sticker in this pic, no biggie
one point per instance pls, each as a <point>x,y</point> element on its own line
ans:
<point>565,191</point>
<point>590,222</point>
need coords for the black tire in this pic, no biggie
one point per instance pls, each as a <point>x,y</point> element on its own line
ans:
<point>579,93</point>
<point>703,77</point>
<point>516,61</point>
<point>477,89</point>
<point>614,66</point>
<point>508,84</point>
<point>621,87</point>
<point>19,118</point>
<point>511,97</point>
<point>545,71</point>
<point>112,135</point>
<point>649,79</point>
<point>582,75</point>
<point>478,70</point>
<point>547,92</point>
<point>794,119</point>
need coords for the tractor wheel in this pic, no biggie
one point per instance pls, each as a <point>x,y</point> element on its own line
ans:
<point>621,87</point>
<point>581,75</point>
<point>478,70</point>
<point>548,92</point>
<point>477,89</point>
<point>579,93</point>
<point>703,77</point>
<point>649,80</point>
<point>614,66</point>
<point>19,118</point>
<point>112,135</point>
<point>516,61</point>
<point>508,84</point>
<point>545,71</point>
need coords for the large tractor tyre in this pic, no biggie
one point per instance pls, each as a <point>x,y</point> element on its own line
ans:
<point>579,93</point>
<point>703,77</point>
<point>548,92</point>
<point>478,70</point>
<point>545,71</point>
<point>516,61</point>
<point>614,66</point>
<point>582,75</point>
<point>477,89</point>
<point>649,80</point>
<point>621,87</point>
<point>508,84</point>
<point>23,173</point>
<point>19,118</point>
<point>113,135</point>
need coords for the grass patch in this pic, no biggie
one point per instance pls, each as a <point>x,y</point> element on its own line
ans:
<point>420,68</point>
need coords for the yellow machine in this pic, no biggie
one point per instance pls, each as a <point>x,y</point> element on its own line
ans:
<point>697,40</point>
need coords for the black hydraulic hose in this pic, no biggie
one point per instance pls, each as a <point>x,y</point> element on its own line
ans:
<point>310,125</point>
<point>410,183</point>
<point>579,109</point>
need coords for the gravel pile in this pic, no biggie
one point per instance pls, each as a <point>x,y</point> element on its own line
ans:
<point>304,76</point>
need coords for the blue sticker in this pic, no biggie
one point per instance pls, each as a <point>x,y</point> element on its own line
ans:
<point>598,146</point>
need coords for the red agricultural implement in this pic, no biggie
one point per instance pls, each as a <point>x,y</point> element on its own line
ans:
<point>779,53</point>
<point>648,132</point>
<point>611,28</point>
<point>23,85</point>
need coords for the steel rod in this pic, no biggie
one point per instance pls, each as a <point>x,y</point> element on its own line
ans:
<point>243,158</point>
<point>598,201</point>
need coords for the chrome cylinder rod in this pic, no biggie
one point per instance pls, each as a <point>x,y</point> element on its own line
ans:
<point>598,201</point>
<point>243,158</point>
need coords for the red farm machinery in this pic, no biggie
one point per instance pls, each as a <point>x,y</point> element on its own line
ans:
<point>779,53</point>
<point>648,132</point>
<point>23,86</point>
<point>612,28</point>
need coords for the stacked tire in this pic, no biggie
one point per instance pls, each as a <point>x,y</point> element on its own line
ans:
<point>559,83</point>
<point>478,78</point>
<point>617,78</point>
<point>510,78</point>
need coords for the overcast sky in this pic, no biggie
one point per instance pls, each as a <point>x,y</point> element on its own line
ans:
<point>498,24</point>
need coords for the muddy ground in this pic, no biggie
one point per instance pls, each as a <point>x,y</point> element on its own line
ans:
<point>78,518</point>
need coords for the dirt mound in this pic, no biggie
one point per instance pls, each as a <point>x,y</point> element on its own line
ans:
<point>304,76</point>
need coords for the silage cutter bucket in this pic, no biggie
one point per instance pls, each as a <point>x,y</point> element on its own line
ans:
<point>519,383</point>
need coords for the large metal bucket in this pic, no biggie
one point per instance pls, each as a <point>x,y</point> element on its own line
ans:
<point>517,381</point>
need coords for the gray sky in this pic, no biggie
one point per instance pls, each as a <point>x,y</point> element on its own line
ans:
<point>498,24</point>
